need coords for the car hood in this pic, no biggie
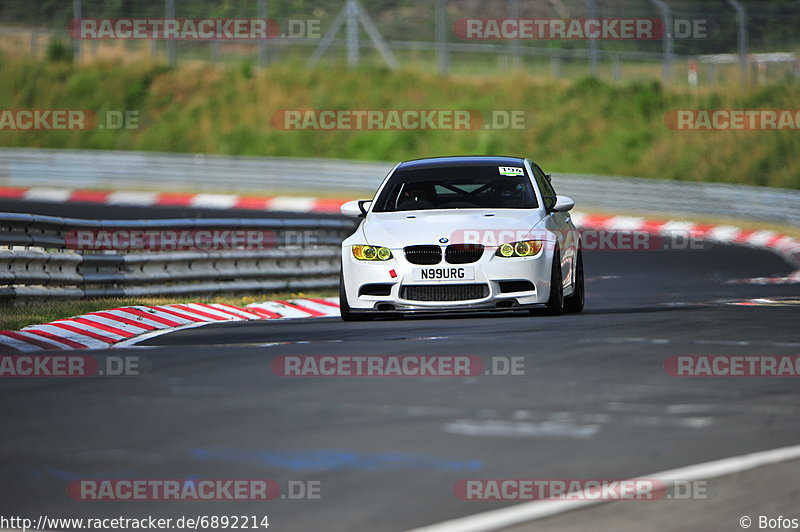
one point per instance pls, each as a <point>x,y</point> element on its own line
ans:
<point>398,229</point>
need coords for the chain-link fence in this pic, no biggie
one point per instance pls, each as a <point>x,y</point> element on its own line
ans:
<point>694,41</point>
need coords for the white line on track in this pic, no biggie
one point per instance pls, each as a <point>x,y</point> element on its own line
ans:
<point>634,340</point>
<point>531,511</point>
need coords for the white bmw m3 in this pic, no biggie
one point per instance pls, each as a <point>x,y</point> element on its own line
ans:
<point>462,234</point>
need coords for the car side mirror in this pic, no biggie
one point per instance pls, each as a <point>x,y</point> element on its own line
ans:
<point>355,208</point>
<point>563,204</point>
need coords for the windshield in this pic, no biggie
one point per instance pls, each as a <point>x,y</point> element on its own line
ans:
<point>457,187</point>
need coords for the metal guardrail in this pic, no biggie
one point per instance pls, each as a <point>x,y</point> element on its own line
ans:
<point>119,170</point>
<point>37,263</point>
<point>628,194</point>
<point>160,171</point>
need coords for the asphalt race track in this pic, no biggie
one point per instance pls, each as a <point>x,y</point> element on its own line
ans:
<point>594,402</point>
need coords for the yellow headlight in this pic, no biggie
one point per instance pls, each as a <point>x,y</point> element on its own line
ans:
<point>525,248</point>
<point>358,252</point>
<point>371,253</point>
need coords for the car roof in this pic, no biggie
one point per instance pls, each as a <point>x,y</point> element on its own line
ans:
<point>464,160</point>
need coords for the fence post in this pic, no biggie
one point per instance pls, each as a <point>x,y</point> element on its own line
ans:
<point>741,37</point>
<point>513,12</point>
<point>263,51</point>
<point>591,13</point>
<point>666,19</point>
<point>443,60</point>
<point>172,50</point>
<point>555,64</point>
<point>375,36</point>
<point>352,34</point>
<point>76,41</point>
<point>349,16</point>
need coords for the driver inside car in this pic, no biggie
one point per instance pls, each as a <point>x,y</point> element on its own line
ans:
<point>417,196</point>
<point>508,194</point>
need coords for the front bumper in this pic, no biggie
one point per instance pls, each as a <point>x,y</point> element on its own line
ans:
<point>492,272</point>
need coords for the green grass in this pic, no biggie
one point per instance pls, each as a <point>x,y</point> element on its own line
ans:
<point>581,126</point>
<point>17,316</point>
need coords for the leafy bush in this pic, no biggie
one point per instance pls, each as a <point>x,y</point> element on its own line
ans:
<point>57,51</point>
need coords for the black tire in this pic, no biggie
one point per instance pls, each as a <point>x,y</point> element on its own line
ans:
<point>574,303</point>
<point>344,308</point>
<point>555,303</point>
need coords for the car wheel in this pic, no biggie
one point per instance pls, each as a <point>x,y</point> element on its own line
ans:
<point>555,303</point>
<point>344,308</point>
<point>574,303</point>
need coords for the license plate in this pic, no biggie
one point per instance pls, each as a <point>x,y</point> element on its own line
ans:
<point>451,273</point>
